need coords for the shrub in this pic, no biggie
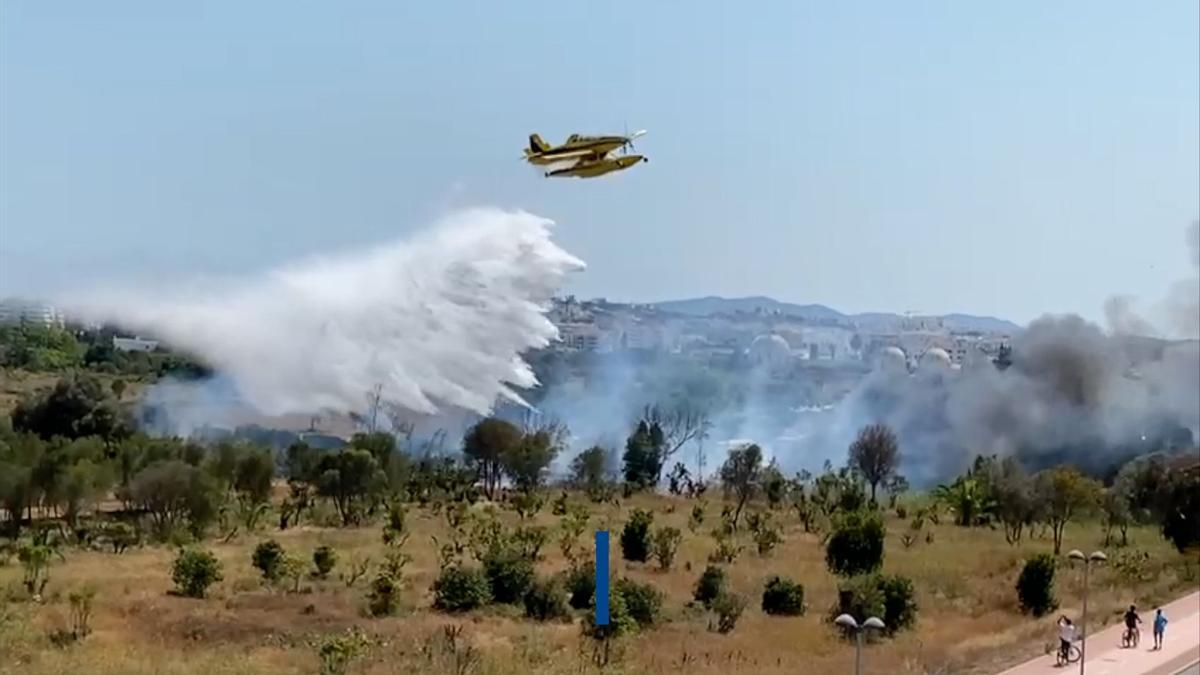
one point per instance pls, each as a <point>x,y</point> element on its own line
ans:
<point>194,571</point>
<point>337,651</point>
<point>728,607</point>
<point>120,536</point>
<point>267,557</point>
<point>580,583</point>
<point>509,576</point>
<point>856,545</point>
<point>888,597</point>
<point>1035,586</point>
<point>619,623</point>
<point>635,537</point>
<point>384,596</point>
<point>783,597</point>
<point>545,600</point>
<point>767,538</point>
<point>666,543</point>
<point>859,597</point>
<point>459,589</point>
<point>643,601</point>
<point>81,612</point>
<point>710,585</point>
<point>324,560</point>
<point>899,605</point>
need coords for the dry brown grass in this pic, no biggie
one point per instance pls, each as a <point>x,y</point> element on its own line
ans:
<point>968,622</point>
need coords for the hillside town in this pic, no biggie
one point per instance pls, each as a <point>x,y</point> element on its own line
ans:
<point>775,339</point>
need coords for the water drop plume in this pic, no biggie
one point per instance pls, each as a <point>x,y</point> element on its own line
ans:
<point>438,319</point>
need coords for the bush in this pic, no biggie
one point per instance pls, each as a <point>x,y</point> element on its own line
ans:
<point>545,600</point>
<point>635,537</point>
<point>643,601</point>
<point>856,545</point>
<point>888,597</point>
<point>899,605</point>
<point>384,596</point>
<point>458,589</point>
<point>783,597</point>
<point>324,560</point>
<point>1035,586</point>
<point>580,583</point>
<point>710,586</point>
<point>728,607</point>
<point>509,576</point>
<point>666,543</point>
<point>267,557</point>
<point>194,571</point>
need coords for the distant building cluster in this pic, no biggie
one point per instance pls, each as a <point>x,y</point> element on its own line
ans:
<point>16,311</point>
<point>774,341</point>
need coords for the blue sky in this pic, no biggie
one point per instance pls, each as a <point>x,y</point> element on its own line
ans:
<point>1005,158</point>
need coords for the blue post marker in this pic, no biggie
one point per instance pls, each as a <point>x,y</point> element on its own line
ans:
<point>601,578</point>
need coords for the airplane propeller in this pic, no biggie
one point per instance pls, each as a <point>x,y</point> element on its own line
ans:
<point>628,144</point>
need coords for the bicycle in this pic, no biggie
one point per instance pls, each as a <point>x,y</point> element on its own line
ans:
<point>1130,638</point>
<point>1071,654</point>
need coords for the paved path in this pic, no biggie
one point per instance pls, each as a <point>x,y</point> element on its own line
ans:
<point>1105,656</point>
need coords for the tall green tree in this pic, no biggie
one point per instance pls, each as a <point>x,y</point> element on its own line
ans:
<point>351,479</point>
<point>1066,493</point>
<point>644,455</point>
<point>485,446</point>
<point>742,476</point>
<point>526,463</point>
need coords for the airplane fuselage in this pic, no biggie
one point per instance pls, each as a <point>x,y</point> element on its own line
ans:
<point>576,147</point>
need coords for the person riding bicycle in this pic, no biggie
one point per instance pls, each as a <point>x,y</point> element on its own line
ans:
<point>1066,635</point>
<point>1131,624</point>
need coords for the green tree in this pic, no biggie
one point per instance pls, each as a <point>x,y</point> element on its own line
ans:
<point>1066,493</point>
<point>77,406</point>
<point>590,470</point>
<point>527,462</point>
<point>644,455</point>
<point>350,479</point>
<point>84,484</point>
<point>742,475</point>
<point>486,445</point>
<point>174,493</point>
<point>875,454</point>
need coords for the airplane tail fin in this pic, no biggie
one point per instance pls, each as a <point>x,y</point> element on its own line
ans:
<point>536,144</point>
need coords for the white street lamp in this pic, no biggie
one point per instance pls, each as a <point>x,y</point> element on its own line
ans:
<point>1096,558</point>
<point>846,621</point>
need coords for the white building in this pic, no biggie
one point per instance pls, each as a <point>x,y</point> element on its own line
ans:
<point>13,310</point>
<point>579,336</point>
<point>134,344</point>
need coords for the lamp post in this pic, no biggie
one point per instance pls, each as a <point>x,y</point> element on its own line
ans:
<point>846,621</point>
<point>1096,557</point>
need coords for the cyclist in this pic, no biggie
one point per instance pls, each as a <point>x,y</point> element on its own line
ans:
<point>1066,635</point>
<point>1131,625</point>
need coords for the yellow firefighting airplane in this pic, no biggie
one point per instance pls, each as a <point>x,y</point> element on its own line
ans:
<point>584,156</point>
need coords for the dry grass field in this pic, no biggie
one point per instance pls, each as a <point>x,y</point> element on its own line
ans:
<point>969,621</point>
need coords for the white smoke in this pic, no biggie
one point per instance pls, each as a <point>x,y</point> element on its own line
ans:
<point>440,319</point>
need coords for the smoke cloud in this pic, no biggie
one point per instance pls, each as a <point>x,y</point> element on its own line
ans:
<point>434,321</point>
<point>1074,393</point>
